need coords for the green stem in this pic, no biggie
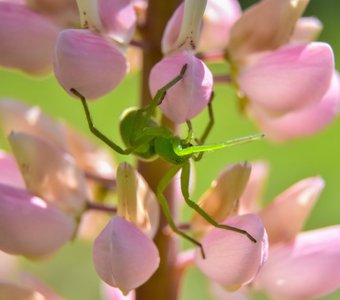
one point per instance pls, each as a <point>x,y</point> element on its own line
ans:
<point>164,284</point>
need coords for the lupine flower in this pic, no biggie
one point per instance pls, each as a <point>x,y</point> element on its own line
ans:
<point>88,62</point>
<point>94,161</point>
<point>292,255</point>
<point>123,254</point>
<point>227,252</point>
<point>192,94</point>
<point>92,60</point>
<point>30,225</point>
<point>305,268</point>
<point>21,26</point>
<point>284,79</point>
<point>232,259</point>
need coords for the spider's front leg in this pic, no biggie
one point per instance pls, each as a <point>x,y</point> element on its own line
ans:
<point>97,132</point>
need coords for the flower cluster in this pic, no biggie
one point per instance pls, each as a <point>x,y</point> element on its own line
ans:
<point>58,185</point>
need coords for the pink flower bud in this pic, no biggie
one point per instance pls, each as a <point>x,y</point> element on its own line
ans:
<point>219,16</point>
<point>294,204</point>
<point>29,225</point>
<point>119,19</point>
<point>306,121</point>
<point>191,94</point>
<point>9,171</point>
<point>123,256</point>
<point>231,258</point>
<point>50,172</point>
<point>307,268</point>
<point>88,63</point>
<point>20,26</point>
<point>288,79</point>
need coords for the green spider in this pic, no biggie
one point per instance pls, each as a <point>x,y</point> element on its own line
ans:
<point>144,137</point>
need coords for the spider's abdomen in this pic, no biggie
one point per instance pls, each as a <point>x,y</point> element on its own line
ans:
<point>131,126</point>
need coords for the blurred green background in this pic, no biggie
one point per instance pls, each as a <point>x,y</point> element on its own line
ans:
<point>70,271</point>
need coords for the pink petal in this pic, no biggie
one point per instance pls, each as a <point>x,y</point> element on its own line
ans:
<point>29,225</point>
<point>231,258</point>
<point>307,268</point>
<point>27,39</point>
<point>17,116</point>
<point>250,199</point>
<point>306,121</point>
<point>9,266</point>
<point>9,171</point>
<point>189,96</point>
<point>289,78</point>
<point>172,29</point>
<point>294,204</point>
<point>123,256</point>
<point>119,19</point>
<point>306,30</point>
<point>219,17</point>
<point>88,63</point>
<point>50,172</point>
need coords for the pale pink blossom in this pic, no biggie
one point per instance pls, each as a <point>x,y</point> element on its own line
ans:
<point>191,94</point>
<point>50,172</point>
<point>288,79</point>
<point>306,268</point>
<point>30,225</point>
<point>219,17</point>
<point>124,256</point>
<point>88,62</point>
<point>232,259</point>
<point>20,26</point>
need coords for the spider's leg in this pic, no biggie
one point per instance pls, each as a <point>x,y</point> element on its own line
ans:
<point>185,191</point>
<point>165,207</point>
